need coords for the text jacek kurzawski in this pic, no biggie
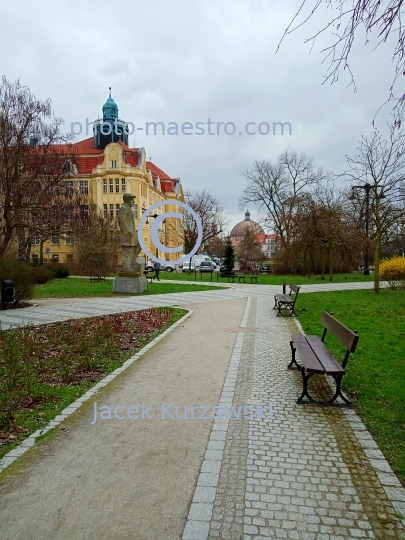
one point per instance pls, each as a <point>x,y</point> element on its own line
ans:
<point>170,411</point>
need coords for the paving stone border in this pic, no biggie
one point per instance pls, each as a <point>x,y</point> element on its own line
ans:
<point>30,441</point>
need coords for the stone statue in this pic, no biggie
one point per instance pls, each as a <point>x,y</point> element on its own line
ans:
<point>129,238</point>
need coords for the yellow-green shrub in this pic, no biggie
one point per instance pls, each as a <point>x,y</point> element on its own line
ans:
<point>393,271</point>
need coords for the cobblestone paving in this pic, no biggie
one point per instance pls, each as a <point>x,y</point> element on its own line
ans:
<point>308,473</point>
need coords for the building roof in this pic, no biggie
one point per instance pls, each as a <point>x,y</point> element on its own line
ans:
<point>240,229</point>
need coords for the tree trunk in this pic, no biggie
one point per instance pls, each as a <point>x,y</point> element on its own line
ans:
<point>41,252</point>
<point>377,248</point>
<point>323,264</point>
<point>330,264</point>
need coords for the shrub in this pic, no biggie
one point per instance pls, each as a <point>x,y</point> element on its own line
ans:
<point>41,274</point>
<point>20,274</point>
<point>62,272</point>
<point>393,271</point>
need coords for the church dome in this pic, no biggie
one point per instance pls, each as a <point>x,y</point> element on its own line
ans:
<point>240,229</point>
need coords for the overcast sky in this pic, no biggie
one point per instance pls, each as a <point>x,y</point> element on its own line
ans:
<point>188,61</point>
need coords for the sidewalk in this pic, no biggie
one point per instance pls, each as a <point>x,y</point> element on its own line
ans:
<point>306,473</point>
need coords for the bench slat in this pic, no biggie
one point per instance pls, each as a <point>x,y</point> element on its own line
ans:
<point>326,358</point>
<point>307,355</point>
<point>284,298</point>
<point>346,336</point>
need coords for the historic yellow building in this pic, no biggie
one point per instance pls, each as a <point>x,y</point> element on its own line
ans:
<point>104,169</point>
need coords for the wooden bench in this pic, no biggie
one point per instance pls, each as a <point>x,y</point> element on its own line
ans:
<point>240,277</point>
<point>285,302</point>
<point>317,359</point>
<point>252,275</point>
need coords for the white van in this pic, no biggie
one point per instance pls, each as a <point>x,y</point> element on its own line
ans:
<point>197,259</point>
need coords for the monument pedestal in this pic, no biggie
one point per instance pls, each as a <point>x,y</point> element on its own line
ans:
<point>129,284</point>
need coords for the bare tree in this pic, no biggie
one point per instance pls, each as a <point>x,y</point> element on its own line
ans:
<point>96,246</point>
<point>33,165</point>
<point>211,213</point>
<point>379,167</point>
<point>380,19</point>
<point>275,187</point>
<point>249,250</point>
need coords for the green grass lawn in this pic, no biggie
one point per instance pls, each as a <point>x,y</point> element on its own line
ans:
<point>375,373</point>
<point>271,279</point>
<point>82,287</point>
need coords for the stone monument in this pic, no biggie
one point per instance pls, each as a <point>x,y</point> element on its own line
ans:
<point>131,278</point>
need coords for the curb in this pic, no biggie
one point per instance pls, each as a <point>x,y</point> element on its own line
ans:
<point>30,441</point>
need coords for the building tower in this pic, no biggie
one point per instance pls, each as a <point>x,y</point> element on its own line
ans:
<point>110,129</point>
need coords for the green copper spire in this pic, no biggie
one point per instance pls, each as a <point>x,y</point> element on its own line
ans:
<point>110,109</point>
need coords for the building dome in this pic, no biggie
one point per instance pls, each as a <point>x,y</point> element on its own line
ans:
<point>240,229</point>
<point>110,109</point>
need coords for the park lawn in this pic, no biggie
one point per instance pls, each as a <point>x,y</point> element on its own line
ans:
<point>271,279</point>
<point>375,373</point>
<point>83,287</point>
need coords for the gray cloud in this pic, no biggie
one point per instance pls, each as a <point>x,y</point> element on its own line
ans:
<point>176,60</point>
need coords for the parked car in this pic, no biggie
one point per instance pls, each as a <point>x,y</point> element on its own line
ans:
<point>186,267</point>
<point>167,267</point>
<point>207,266</point>
<point>266,269</point>
<point>246,267</point>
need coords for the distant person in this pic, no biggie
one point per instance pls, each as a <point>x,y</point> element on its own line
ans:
<point>156,268</point>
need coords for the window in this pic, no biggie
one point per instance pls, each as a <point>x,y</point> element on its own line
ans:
<point>123,187</point>
<point>35,240</point>
<point>69,187</point>
<point>84,187</point>
<point>55,240</point>
<point>104,186</point>
<point>55,258</point>
<point>105,210</point>
<point>69,258</point>
<point>117,208</point>
<point>111,186</point>
<point>114,164</point>
<point>117,185</point>
<point>69,240</point>
<point>135,211</point>
<point>111,210</point>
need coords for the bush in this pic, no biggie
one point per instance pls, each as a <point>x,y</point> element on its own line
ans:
<point>393,271</point>
<point>62,272</point>
<point>20,275</point>
<point>41,274</point>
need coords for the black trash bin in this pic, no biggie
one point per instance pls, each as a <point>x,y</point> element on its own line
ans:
<point>7,292</point>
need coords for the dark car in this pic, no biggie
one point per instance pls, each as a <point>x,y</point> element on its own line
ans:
<point>207,266</point>
<point>266,269</point>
